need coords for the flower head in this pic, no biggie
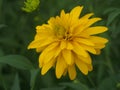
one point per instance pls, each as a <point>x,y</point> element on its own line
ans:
<point>66,41</point>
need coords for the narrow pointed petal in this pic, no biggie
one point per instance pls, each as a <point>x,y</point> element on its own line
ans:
<point>98,51</point>
<point>84,41</point>
<point>81,24</point>
<point>75,12</point>
<point>62,14</point>
<point>95,30</point>
<point>63,44</point>
<point>99,46</point>
<point>92,21</point>
<point>79,50</point>
<point>90,67</point>
<point>85,17</point>
<point>97,39</point>
<point>67,54</point>
<point>51,21</point>
<point>47,66</point>
<point>48,54</point>
<point>60,66</point>
<point>64,19</point>
<point>74,15</point>
<point>44,29</point>
<point>41,43</point>
<point>82,66</point>
<point>69,45</point>
<point>72,72</point>
<point>40,49</point>
<point>89,49</point>
<point>65,72</point>
<point>86,60</point>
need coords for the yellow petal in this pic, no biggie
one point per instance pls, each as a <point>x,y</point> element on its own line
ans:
<point>79,50</point>
<point>72,72</point>
<point>63,44</point>
<point>84,41</point>
<point>92,21</point>
<point>85,17</point>
<point>47,66</point>
<point>69,45</point>
<point>89,48</point>
<point>51,21</point>
<point>41,61</point>
<point>45,28</point>
<point>41,43</point>
<point>82,66</point>
<point>48,54</point>
<point>90,67</point>
<point>98,51</point>
<point>95,30</point>
<point>60,66</point>
<point>68,57</point>
<point>99,46</point>
<point>43,32</point>
<point>62,14</point>
<point>65,72</point>
<point>43,35</point>
<point>85,59</point>
<point>74,15</point>
<point>81,24</point>
<point>83,35</point>
<point>64,19</point>
<point>97,39</point>
<point>75,12</point>
<point>40,49</point>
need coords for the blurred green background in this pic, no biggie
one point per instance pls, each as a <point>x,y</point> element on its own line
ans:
<point>19,67</point>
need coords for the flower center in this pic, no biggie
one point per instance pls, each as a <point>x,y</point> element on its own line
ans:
<point>67,36</point>
<point>62,33</point>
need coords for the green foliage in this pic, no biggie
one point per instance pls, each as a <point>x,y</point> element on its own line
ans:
<point>110,83</point>
<point>113,14</point>
<point>34,74</point>
<point>75,86</point>
<point>16,83</point>
<point>19,67</point>
<point>31,5</point>
<point>55,88</point>
<point>16,61</point>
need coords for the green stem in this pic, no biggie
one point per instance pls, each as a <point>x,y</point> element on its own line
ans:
<point>3,82</point>
<point>107,57</point>
<point>109,64</point>
<point>92,83</point>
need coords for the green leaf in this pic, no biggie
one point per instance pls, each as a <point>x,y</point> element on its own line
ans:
<point>110,83</point>
<point>109,10</point>
<point>75,86</point>
<point>34,74</point>
<point>112,16</point>
<point>1,52</point>
<point>2,26</point>
<point>17,61</point>
<point>3,82</point>
<point>16,84</point>
<point>31,5</point>
<point>54,88</point>
<point>9,41</point>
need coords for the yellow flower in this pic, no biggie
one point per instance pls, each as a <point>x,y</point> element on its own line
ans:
<point>66,41</point>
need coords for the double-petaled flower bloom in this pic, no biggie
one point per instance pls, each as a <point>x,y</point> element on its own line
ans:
<point>66,41</point>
